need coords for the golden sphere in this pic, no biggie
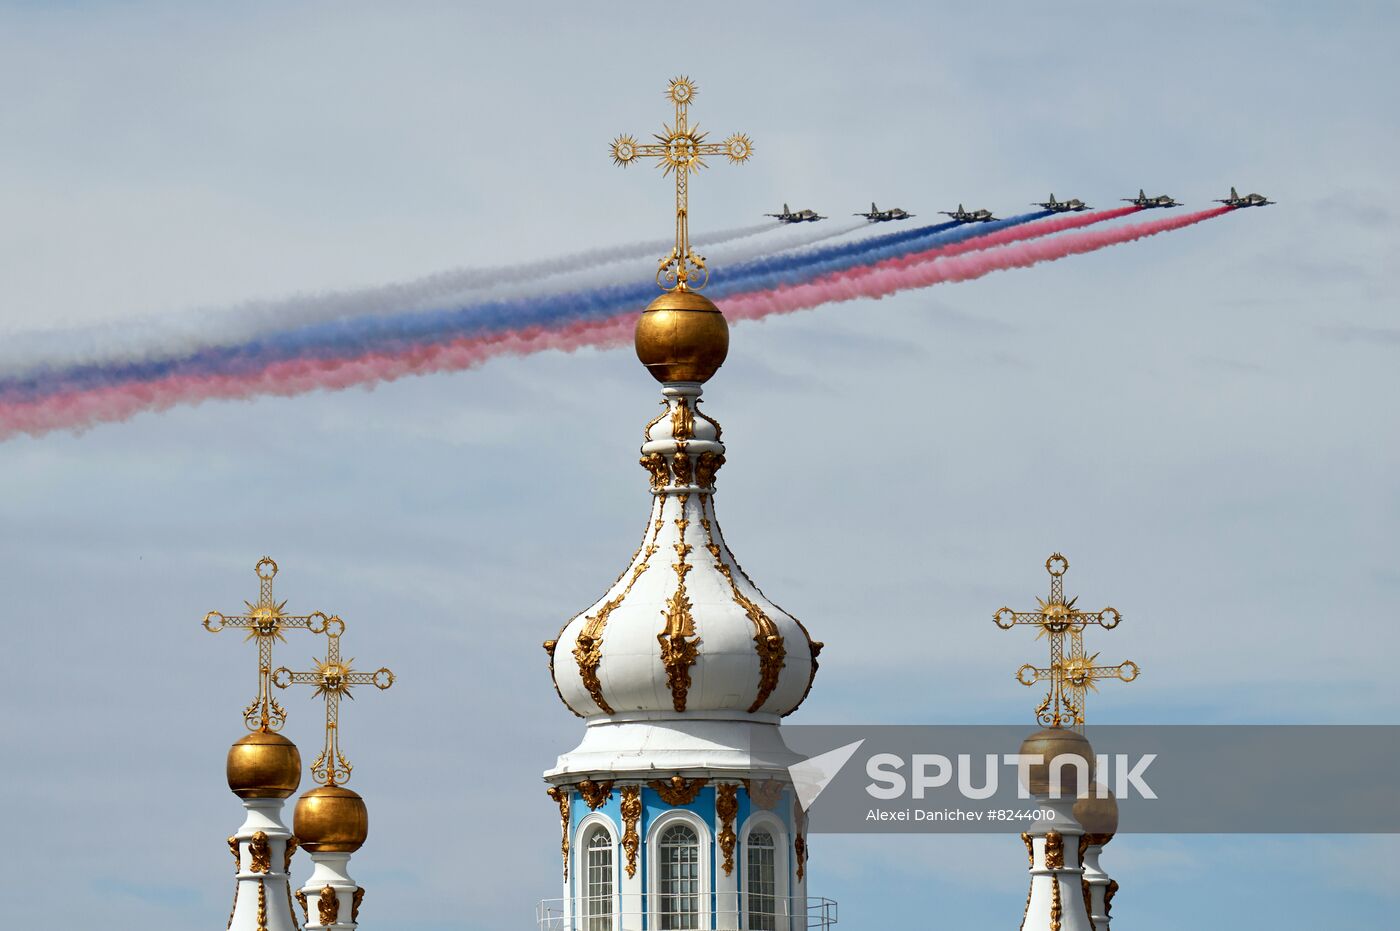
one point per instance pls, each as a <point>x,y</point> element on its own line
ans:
<point>331,818</point>
<point>1097,816</point>
<point>682,336</point>
<point>1054,742</point>
<point>263,765</point>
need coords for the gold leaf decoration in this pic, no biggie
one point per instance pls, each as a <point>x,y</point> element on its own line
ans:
<point>561,796</point>
<point>595,793</point>
<point>261,852</point>
<point>305,909</point>
<point>355,904</point>
<point>631,812</point>
<point>678,790</point>
<point>765,793</point>
<point>328,905</point>
<point>1054,851</point>
<point>726,807</point>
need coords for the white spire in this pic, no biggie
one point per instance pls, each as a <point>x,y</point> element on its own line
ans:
<point>263,849</point>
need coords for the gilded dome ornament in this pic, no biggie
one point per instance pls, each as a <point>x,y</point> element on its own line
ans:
<point>680,150</point>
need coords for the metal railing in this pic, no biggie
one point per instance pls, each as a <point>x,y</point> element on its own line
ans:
<point>630,913</point>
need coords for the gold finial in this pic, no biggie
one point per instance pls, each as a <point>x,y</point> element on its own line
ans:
<point>1070,678</point>
<point>332,678</point>
<point>265,621</point>
<point>680,150</point>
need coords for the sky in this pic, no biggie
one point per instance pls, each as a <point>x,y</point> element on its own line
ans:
<point>1198,421</point>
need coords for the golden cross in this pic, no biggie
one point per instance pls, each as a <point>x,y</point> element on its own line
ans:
<point>265,621</point>
<point>332,677</point>
<point>681,149</point>
<point>1069,679</point>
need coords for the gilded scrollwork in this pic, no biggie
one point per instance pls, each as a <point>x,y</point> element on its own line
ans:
<point>287,853</point>
<point>799,850</point>
<point>233,849</point>
<point>726,807</point>
<point>260,851</point>
<point>1030,849</point>
<point>1056,907</point>
<point>1109,892</point>
<point>595,793</point>
<point>305,909</point>
<point>588,649</point>
<point>355,903</point>
<point>1088,893</point>
<point>682,421</point>
<point>262,905</point>
<point>678,790</point>
<point>682,467</point>
<point>631,807</point>
<point>1054,851</point>
<point>719,431</point>
<point>560,794</point>
<point>707,466</point>
<point>655,464</point>
<point>327,905</point>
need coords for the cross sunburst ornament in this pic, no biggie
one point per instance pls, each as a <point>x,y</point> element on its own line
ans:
<point>332,678</point>
<point>680,149</point>
<point>265,621</point>
<point>1072,677</point>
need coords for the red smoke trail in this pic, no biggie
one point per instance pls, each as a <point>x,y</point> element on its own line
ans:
<point>298,376</point>
<point>1036,230</point>
<point>877,281</point>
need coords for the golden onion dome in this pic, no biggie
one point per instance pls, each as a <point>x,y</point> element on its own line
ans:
<point>263,765</point>
<point>1055,742</point>
<point>1097,816</point>
<point>331,818</point>
<point>682,336</point>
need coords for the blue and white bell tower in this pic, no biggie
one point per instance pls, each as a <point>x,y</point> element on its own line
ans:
<point>669,820</point>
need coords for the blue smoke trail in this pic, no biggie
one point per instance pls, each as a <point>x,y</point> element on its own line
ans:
<point>339,338</point>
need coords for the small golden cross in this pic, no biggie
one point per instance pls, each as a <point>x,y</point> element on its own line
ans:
<point>265,621</point>
<point>1070,679</point>
<point>680,149</point>
<point>332,678</point>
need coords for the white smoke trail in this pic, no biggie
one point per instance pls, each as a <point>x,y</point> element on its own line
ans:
<point>177,334</point>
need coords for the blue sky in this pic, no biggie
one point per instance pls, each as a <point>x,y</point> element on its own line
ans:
<point>1199,421</point>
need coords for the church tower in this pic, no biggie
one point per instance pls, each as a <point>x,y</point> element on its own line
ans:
<point>682,667</point>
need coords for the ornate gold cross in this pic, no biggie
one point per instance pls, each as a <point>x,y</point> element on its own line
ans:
<point>680,150</point>
<point>332,678</point>
<point>265,621</point>
<point>1070,678</point>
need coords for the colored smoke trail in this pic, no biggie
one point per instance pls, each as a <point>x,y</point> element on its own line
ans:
<point>81,408</point>
<point>876,282</point>
<point>175,335</point>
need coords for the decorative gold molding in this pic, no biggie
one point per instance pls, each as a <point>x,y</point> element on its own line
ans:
<point>595,793</point>
<point>261,853</point>
<point>665,412</point>
<point>679,644</point>
<point>1030,849</point>
<point>1056,908</point>
<point>678,790</point>
<point>305,909</point>
<point>234,907</point>
<point>719,431</point>
<point>1025,912</point>
<point>233,849</point>
<point>1054,851</point>
<point>765,793</point>
<point>561,796</point>
<point>707,467</point>
<point>631,812</point>
<point>726,807</point>
<point>655,464</point>
<point>355,903</point>
<point>1109,892</point>
<point>327,905</point>
<point>799,849</point>
<point>682,421</point>
<point>1087,891</point>
<point>290,909</point>
<point>262,905</point>
<point>292,843</point>
<point>682,467</point>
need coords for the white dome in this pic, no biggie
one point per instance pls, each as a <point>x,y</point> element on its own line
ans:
<point>683,632</point>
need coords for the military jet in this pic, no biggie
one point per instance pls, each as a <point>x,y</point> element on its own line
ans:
<point>969,216</point>
<point>798,216</point>
<point>1248,200</point>
<point>876,215</point>
<point>1142,200</point>
<point>1073,205</point>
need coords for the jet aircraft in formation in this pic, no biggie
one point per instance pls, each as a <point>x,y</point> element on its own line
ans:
<point>1073,205</point>
<point>969,216</point>
<point>796,216</point>
<point>1248,200</point>
<point>876,215</point>
<point>1147,203</point>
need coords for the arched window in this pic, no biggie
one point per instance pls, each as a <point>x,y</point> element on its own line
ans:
<point>762,881</point>
<point>679,882</point>
<point>598,881</point>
